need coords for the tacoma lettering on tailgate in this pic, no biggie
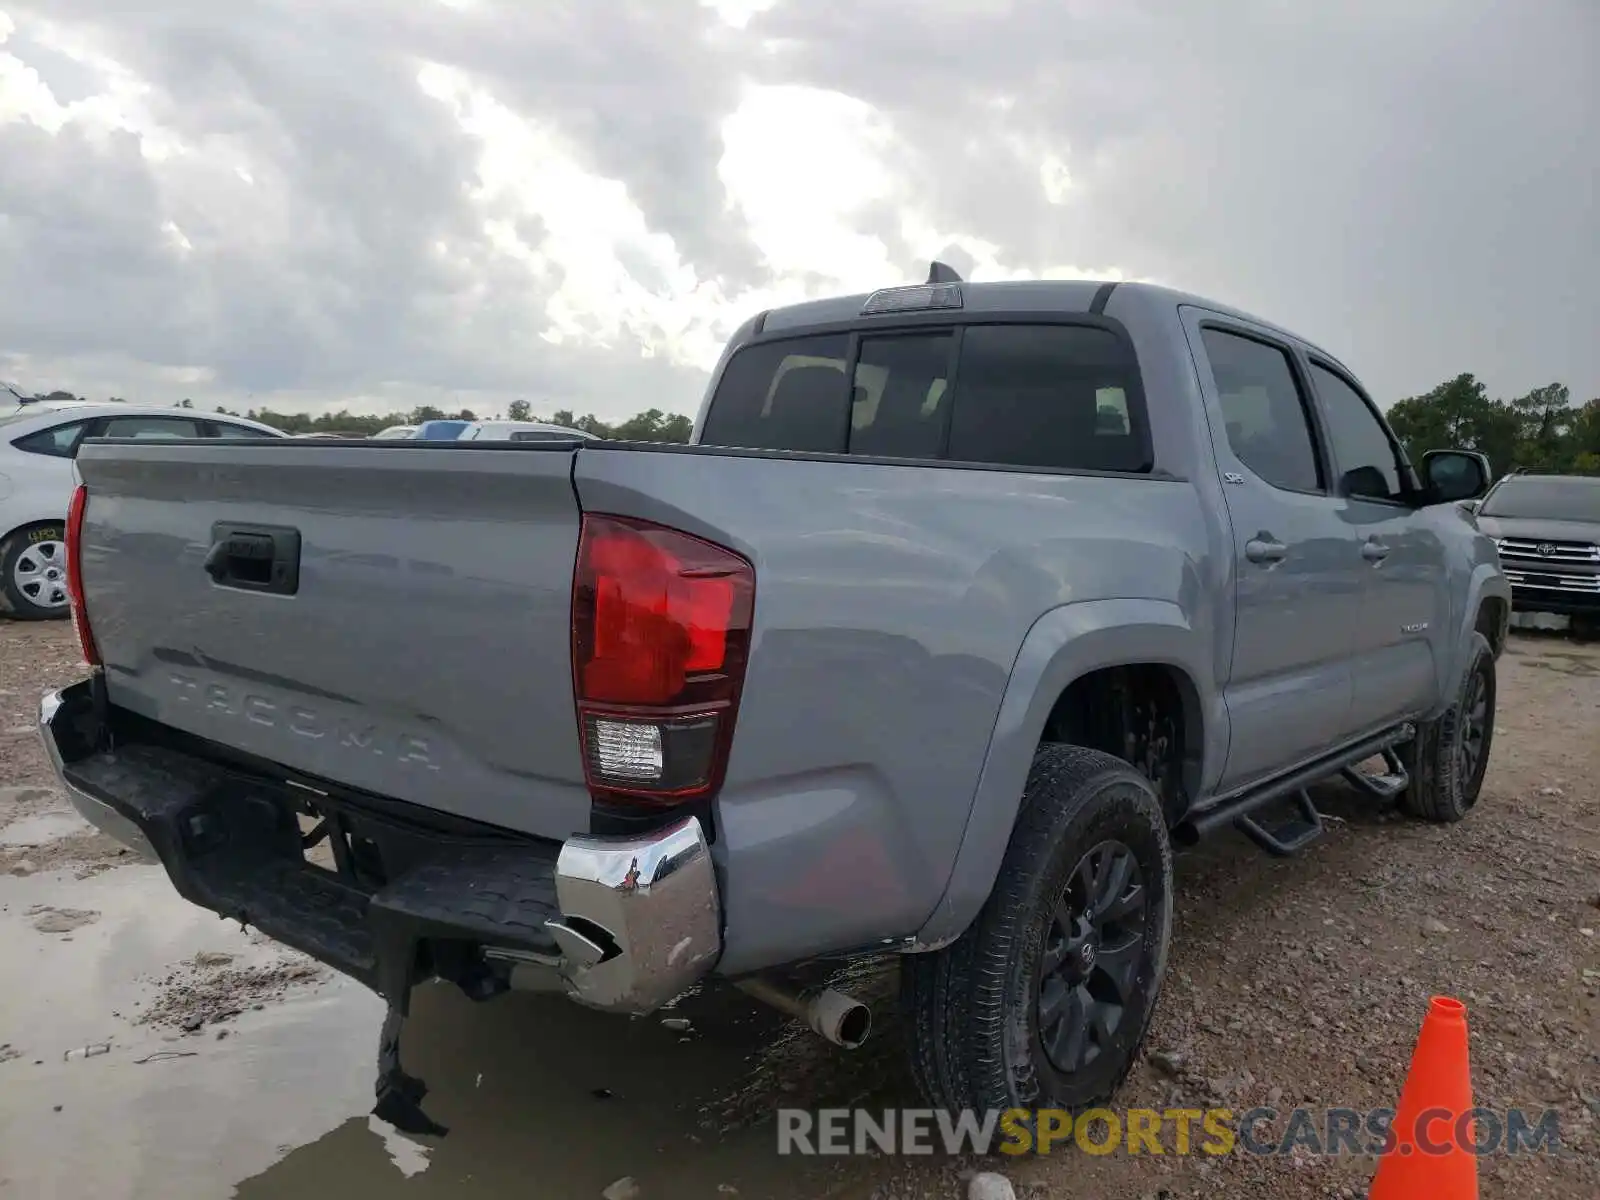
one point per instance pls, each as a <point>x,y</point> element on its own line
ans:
<point>303,721</point>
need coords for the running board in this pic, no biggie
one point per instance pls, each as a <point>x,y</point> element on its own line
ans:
<point>1240,810</point>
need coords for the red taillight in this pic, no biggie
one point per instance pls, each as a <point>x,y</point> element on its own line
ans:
<point>80,616</point>
<point>660,631</point>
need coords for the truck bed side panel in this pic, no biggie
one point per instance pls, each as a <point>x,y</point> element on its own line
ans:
<point>891,602</point>
<point>426,653</point>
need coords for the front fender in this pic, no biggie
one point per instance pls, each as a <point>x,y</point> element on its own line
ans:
<point>1065,644</point>
<point>1487,581</point>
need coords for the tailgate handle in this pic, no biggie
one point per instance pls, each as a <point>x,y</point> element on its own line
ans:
<point>255,558</point>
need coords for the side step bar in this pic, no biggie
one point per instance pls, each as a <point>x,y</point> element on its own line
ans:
<point>1380,787</point>
<point>1241,810</point>
<point>1293,836</point>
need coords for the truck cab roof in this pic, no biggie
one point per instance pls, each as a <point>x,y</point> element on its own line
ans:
<point>1011,297</point>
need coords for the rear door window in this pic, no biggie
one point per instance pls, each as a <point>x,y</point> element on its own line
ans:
<point>59,441</point>
<point>1263,410</point>
<point>154,428</point>
<point>226,429</point>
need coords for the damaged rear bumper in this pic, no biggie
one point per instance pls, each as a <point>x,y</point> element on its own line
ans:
<point>624,924</point>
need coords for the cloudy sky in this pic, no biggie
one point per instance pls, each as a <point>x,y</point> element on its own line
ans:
<point>377,203</point>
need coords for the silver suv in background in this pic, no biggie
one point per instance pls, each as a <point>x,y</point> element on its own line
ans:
<point>1547,528</point>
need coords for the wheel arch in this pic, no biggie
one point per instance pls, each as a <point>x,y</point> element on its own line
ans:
<point>16,527</point>
<point>7,539</point>
<point>1066,645</point>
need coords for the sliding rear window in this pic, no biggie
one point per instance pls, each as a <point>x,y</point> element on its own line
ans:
<point>1052,396</point>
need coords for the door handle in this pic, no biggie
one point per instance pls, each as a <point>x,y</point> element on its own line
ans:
<point>1264,548</point>
<point>1374,551</point>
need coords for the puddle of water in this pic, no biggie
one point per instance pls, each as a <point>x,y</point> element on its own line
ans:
<point>42,828</point>
<point>178,1127</point>
<point>541,1097</point>
<point>545,1098</point>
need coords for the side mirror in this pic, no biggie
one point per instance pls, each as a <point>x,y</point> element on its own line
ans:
<point>1451,476</point>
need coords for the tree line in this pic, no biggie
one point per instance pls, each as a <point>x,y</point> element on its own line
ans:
<point>1542,430</point>
<point>652,425</point>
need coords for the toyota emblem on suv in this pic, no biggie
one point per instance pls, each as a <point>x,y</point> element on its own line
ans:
<point>1546,550</point>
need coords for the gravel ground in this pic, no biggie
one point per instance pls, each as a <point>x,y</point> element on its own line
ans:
<point>1292,982</point>
<point>206,990</point>
<point>1305,981</point>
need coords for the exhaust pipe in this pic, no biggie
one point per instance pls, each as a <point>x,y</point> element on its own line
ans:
<point>838,1018</point>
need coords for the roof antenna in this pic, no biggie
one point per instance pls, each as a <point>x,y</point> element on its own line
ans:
<point>939,272</point>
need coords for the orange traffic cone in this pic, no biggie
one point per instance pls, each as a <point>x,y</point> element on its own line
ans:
<point>1432,1157</point>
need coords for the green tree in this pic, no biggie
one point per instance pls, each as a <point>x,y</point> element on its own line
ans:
<point>519,410</point>
<point>1540,429</point>
<point>1586,438</point>
<point>1452,415</point>
<point>642,427</point>
<point>1544,427</point>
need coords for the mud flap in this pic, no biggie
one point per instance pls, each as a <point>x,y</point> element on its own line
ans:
<point>400,1095</point>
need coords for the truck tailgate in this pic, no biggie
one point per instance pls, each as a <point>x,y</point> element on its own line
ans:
<point>425,654</point>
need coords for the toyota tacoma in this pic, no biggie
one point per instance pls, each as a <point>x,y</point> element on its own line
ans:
<point>965,605</point>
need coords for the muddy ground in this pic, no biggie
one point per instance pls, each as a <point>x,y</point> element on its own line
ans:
<point>148,1049</point>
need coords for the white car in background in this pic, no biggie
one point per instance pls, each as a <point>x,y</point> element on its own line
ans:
<point>519,431</point>
<point>396,431</point>
<point>37,445</point>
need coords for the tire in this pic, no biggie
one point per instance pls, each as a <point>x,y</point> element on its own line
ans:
<point>30,559</point>
<point>976,1008</point>
<point>1446,777</point>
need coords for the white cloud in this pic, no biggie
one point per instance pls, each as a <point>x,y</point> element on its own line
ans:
<point>575,202</point>
<point>118,108</point>
<point>802,164</point>
<point>738,13</point>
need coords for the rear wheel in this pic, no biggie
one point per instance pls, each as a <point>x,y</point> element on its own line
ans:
<point>33,573</point>
<point>1449,756</point>
<point>1045,999</point>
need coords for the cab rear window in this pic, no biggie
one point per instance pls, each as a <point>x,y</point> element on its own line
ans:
<point>1051,396</point>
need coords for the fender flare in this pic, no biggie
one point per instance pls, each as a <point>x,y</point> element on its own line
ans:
<point>1063,645</point>
<point>1488,582</point>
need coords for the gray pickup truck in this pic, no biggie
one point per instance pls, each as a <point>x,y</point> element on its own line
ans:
<point>965,605</point>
